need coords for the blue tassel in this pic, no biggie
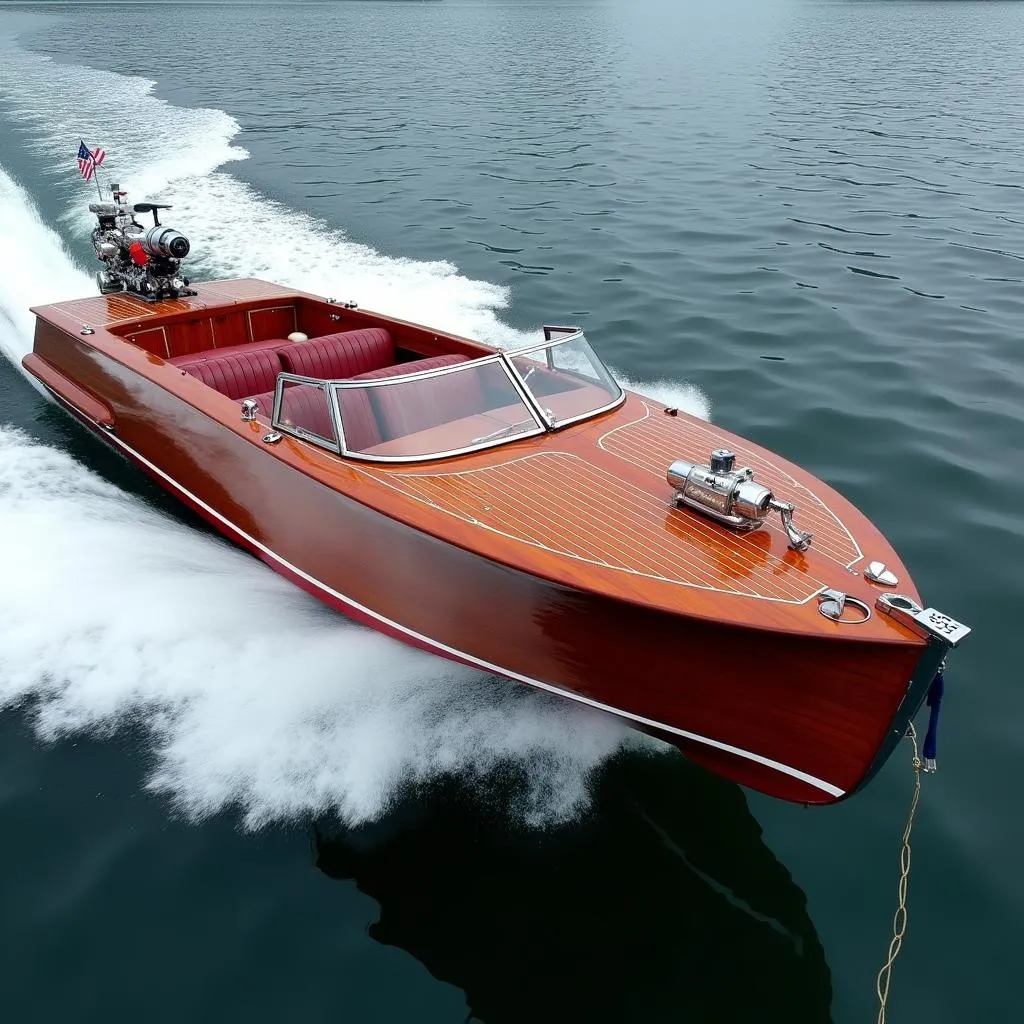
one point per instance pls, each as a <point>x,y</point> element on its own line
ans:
<point>932,738</point>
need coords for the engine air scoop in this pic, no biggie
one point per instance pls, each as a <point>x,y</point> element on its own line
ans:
<point>731,496</point>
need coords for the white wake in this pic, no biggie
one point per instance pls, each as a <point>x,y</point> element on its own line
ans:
<point>255,695</point>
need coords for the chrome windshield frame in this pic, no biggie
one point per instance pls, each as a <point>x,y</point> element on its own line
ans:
<point>543,422</point>
<point>338,444</point>
<point>539,421</point>
<point>549,343</point>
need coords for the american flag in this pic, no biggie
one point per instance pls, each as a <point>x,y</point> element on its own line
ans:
<point>89,160</point>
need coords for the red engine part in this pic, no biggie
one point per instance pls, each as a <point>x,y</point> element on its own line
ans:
<point>138,254</point>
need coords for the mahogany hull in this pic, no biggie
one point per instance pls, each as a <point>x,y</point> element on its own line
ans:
<point>804,718</point>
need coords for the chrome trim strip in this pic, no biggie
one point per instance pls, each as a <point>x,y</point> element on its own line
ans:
<point>497,359</point>
<point>548,345</point>
<point>614,404</point>
<point>525,393</point>
<point>577,332</point>
<point>785,769</point>
<point>434,456</point>
<point>415,375</point>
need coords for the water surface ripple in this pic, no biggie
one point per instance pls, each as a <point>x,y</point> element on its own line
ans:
<point>812,212</point>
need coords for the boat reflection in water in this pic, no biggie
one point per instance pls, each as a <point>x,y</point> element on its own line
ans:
<point>664,904</point>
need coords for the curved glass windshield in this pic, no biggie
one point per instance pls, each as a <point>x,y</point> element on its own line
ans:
<point>390,416</point>
<point>565,377</point>
<point>429,415</point>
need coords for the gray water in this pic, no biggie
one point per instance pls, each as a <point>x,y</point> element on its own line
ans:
<point>802,219</point>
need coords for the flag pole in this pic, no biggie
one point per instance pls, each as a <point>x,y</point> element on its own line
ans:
<point>95,168</point>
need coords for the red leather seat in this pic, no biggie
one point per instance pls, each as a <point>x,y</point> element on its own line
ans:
<point>264,404</point>
<point>335,356</point>
<point>249,373</point>
<point>416,366</point>
<point>408,408</point>
<point>358,419</point>
<point>228,350</point>
<point>304,407</point>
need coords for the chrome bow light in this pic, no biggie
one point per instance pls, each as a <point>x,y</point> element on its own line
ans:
<point>730,496</point>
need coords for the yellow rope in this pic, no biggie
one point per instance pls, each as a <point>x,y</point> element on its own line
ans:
<point>899,921</point>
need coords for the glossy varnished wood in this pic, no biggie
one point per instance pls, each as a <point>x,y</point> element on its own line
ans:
<point>558,559</point>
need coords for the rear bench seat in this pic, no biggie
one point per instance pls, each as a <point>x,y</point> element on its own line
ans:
<point>238,375</point>
<point>250,371</point>
<point>239,371</point>
<point>364,410</point>
<point>228,350</point>
<point>332,357</point>
<point>340,355</point>
<point>360,408</point>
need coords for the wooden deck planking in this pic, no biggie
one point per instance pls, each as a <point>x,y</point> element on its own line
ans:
<point>654,441</point>
<point>611,523</point>
<point>121,307</point>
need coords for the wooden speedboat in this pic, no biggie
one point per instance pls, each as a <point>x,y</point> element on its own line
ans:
<point>512,512</point>
<point>517,512</point>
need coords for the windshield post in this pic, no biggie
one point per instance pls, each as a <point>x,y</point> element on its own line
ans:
<point>564,378</point>
<point>521,386</point>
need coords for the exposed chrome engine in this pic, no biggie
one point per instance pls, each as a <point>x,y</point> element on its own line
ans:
<point>143,261</point>
<point>731,496</point>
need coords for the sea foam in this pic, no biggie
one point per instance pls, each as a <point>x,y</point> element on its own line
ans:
<point>115,613</point>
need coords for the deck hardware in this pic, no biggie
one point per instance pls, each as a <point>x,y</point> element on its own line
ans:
<point>928,623</point>
<point>272,438</point>
<point>249,407</point>
<point>731,496</point>
<point>86,329</point>
<point>333,301</point>
<point>833,603</point>
<point>350,304</point>
<point>722,461</point>
<point>671,412</point>
<point>879,572</point>
<point>799,540</point>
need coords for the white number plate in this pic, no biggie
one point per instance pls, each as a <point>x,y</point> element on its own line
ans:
<point>942,625</point>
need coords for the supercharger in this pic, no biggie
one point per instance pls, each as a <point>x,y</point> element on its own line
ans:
<point>145,261</point>
<point>731,496</point>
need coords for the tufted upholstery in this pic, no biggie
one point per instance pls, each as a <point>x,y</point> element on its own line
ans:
<point>357,405</point>
<point>340,355</point>
<point>304,407</point>
<point>358,418</point>
<point>239,375</point>
<point>409,408</point>
<point>416,366</point>
<point>228,350</point>
<point>264,404</point>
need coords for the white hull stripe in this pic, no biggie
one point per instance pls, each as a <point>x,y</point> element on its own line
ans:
<point>785,769</point>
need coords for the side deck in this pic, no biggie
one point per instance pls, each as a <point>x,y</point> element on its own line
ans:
<point>586,506</point>
<point>601,590</point>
